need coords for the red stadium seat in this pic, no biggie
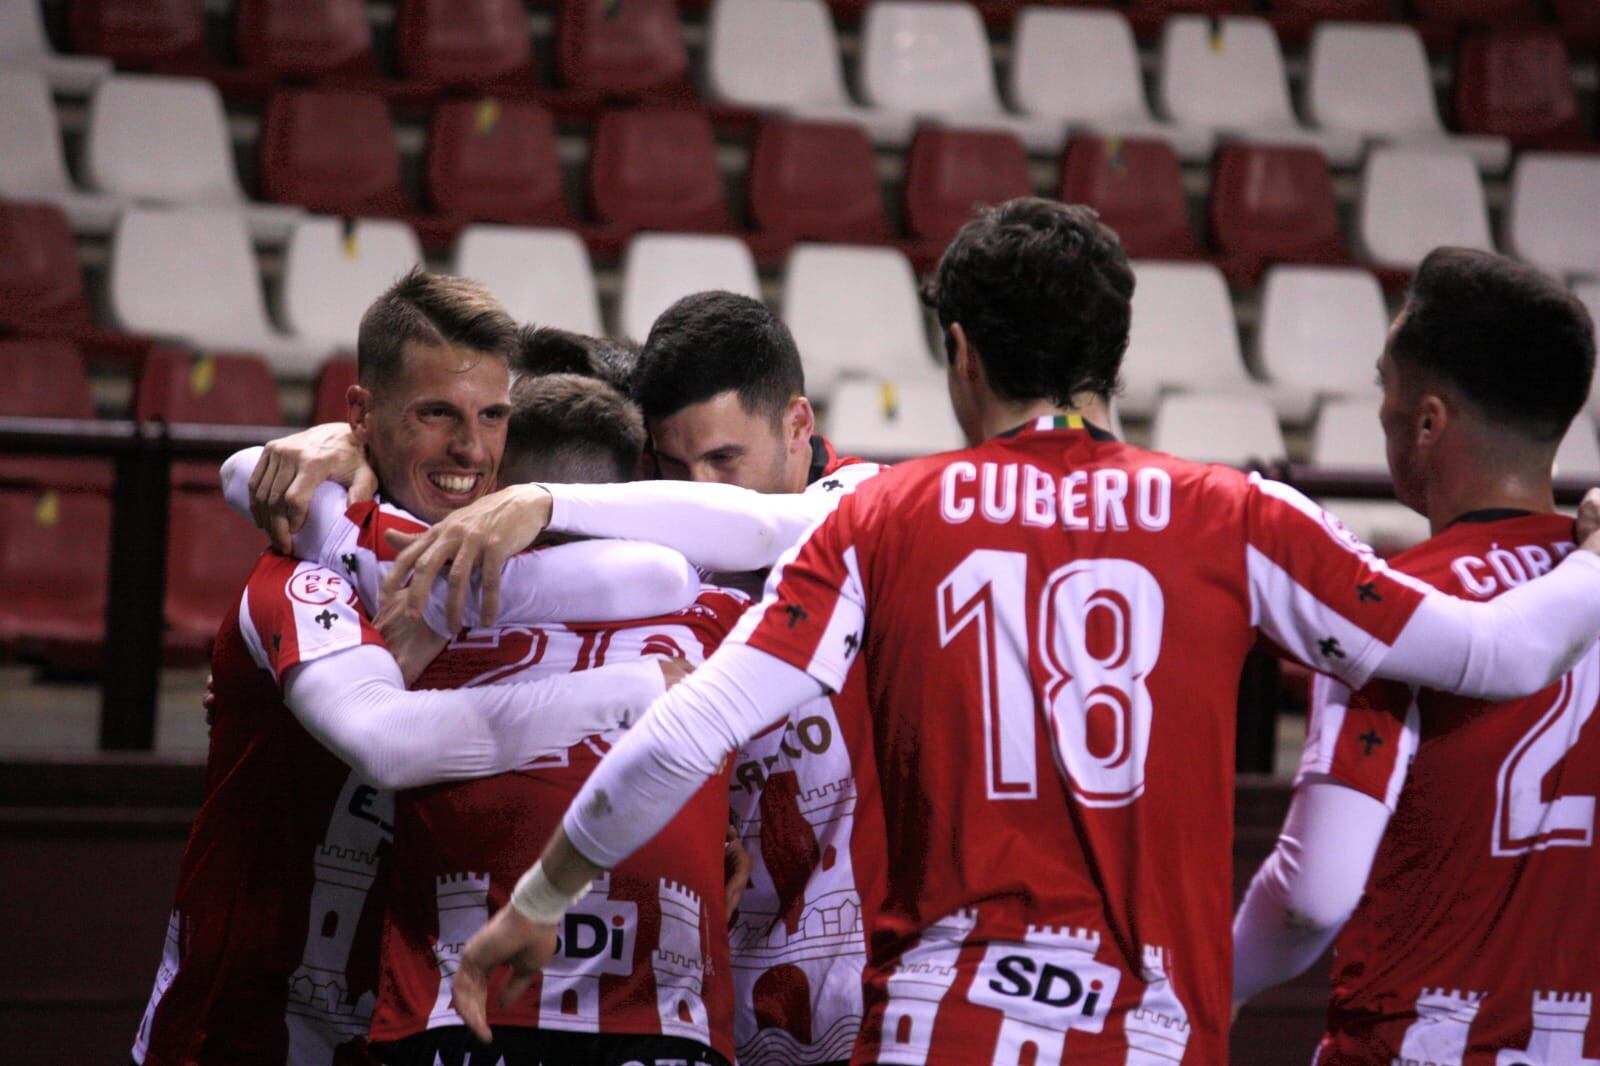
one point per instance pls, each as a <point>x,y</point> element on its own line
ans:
<point>1580,22</point>
<point>1147,16</point>
<point>55,547</point>
<point>620,47</point>
<point>304,38</point>
<point>474,43</point>
<point>495,161</point>
<point>1516,83</point>
<point>328,402</point>
<point>815,181</point>
<point>1272,204</point>
<point>1295,19</point>
<point>210,551</point>
<point>229,390</point>
<point>656,169</point>
<point>331,151</point>
<point>46,379</point>
<point>1137,187</point>
<point>41,279</point>
<point>1478,12</point>
<point>140,33</point>
<point>948,172</point>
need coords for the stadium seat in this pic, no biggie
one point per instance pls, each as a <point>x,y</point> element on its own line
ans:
<point>1412,202</point>
<point>656,169</point>
<point>893,419</point>
<point>1478,12</point>
<point>329,390</point>
<point>930,59</point>
<point>140,34</point>
<point>1517,84</point>
<point>1295,19</point>
<point>41,281</point>
<point>1218,428</point>
<point>1347,437</point>
<point>46,379</point>
<point>854,311</point>
<point>1322,329</point>
<point>304,38</point>
<point>210,552</point>
<point>816,181</point>
<point>620,47</point>
<point>949,172</point>
<point>1374,82</point>
<point>165,140</point>
<point>1554,217</point>
<point>32,164</point>
<point>190,274</point>
<point>332,271</point>
<point>660,268</point>
<point>229,390</point>
<point>542,276</point>
<point>496,161</point>
<point>331,151</point>
<point>1589,293</point>
<point>55,601</point>
<point>1228,75</point>
<point>464,43</point>
<point>1081,68</point>
<point>25,46</point>
<point>1137,186</point>
<point>1580,22</point>
<point>1579,454</point>
<point>1272,204</point>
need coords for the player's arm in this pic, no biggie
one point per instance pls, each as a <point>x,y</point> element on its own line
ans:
<point>287,472</point>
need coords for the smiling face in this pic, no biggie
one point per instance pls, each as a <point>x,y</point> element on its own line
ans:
<point>719,440</point>
<point>436,435</point>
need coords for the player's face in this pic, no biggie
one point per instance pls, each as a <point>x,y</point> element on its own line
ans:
<point>1398,416</point>
<point>718,440</point>
<point>436,436</point>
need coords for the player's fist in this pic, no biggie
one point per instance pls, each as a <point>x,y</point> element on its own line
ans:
<point>291,468</point>
<point>509,939</point>
<point>410,641</point>
<point>1588,524</point>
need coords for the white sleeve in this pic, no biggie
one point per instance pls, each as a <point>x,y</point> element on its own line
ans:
<point>355,704</point>
<point>680,742</point>
<point>327,531</point>
<point>1308,887</point>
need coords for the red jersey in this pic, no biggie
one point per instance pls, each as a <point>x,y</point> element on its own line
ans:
<point>1474,943</point>
<point>645,952</point>
<point>277,892</point>
<point>1053,624</point>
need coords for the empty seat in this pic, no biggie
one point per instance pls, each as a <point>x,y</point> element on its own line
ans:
<point>331,151</point>
<point>190,274</point>
<point>1478,12</point>
<point>1579,454</point>
<point>621,46</point>
<point>893,419</point>
<point>1412,202</point>
<point>165,140</point>
<point>211,549</point>
<point>334,269</point>
<point>41,280</point>
<point>1273,204</point>
<point>1228,75</point>
<point>1137,186</point>
<point>140,33</point>
<point>854,311</point>
<point>24,46</point>
<point>1517,84</point>
<point>464,42</point>
<point>657,169</point>
<point>816,181</point>
<point>329,392</point>
<point>1294,19</point>
<point>304,38</point>
<point>660,268</point>
<point>543,277</point>
<point>1218,428</point>
<point>46,379</point>
<point>32,164</point>
<point>55,601</point>
<point>496,161</point>
<point>1322,328</point>
<point>1580,21</point>
<point>1374,81</point>
<point>1081,69</point>
<point>1554,218</point>
<point>1347,437</point>
<point>949,172</point>
<point>230,390</point>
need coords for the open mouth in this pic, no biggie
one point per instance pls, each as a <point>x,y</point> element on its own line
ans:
<point>455,484</point>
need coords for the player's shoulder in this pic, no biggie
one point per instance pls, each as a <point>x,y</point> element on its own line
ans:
<point>1480,558</point>
<point>374,519</point>
<point>845,475</point>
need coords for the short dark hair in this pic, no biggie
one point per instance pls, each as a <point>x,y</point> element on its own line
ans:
<point>572,428</point>
<point>548,350</point>
<point>430,309</point>
<point>1515,342</point>
<point>1044,294</point>
<point>711,342</point>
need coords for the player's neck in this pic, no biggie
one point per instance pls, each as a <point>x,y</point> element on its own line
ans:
<point>1473,487</point>
<point>998,416</point>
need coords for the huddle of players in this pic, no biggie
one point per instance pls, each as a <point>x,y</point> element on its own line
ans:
<point>1011,914</point>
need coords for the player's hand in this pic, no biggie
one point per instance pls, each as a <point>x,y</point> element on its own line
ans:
<point>410,641</point>
<point>1588,524</point>
<point>291,468</point>
<point>209,700</point>
<point>736,866</point>
<point>509,939</point>
<point>478,538</point>
<point>675,670</point>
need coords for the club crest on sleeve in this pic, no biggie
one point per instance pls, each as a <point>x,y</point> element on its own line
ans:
<point>326,619</point>
<point>318,588</point>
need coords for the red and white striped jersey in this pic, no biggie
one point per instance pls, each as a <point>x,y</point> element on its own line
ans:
<point>1053,624</point>
<point>1474,942</point>
<point>270,947</point>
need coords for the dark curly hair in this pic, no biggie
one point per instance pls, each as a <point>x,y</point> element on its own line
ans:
<point>1044,294</point>
<point>571,427</point>
<point>548,350</point>
<point>712,342</point>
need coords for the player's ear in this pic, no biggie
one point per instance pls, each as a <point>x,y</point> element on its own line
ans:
<point>962,355</point>
<point>1433,414</point>
<point>799,423</point>
<point>359,402</point>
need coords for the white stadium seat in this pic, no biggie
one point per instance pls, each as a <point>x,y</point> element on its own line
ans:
<point>658,269</point>
<point>24,46</point>
<point>1554,218</point>
<point>333,270</point>
<point>543,276</point>
<point>1589,293</point>
<point>1579,454</point>
<point>1412,202</point>
<point>1375,81</point>
<point>32,164</point>
<point>1228,75</point>
<point>893,419</point>
<point>1218,428</point>
<point>1321,328</point>
<point>1347,437</point>
<point>1081,68</point>
<point>190,273</point>
<point>854,310</point>
<point>165,140</point>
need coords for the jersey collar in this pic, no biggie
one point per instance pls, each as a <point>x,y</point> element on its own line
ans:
<point>1048,423</point>
<point>822,458</point>
<point>1490,514</point>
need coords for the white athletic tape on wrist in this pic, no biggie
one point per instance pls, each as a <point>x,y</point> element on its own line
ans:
<point>538,899</point>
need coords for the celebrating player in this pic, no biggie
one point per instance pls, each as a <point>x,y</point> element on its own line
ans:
<point>1464,830</point>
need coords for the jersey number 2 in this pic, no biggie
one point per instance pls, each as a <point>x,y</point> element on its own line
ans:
<point>1098,637</point>
<point>1524,820</point>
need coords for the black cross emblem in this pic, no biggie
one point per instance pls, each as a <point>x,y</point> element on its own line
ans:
<point>1330,648</point>
<point>326,619</point>
<point>350,562</point>
<point>851,642</point>
<point>277,641</point>
<point>833,484</point>
<point>1368,591</point>
<point>797,614</point>
<point>1369,740</point>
